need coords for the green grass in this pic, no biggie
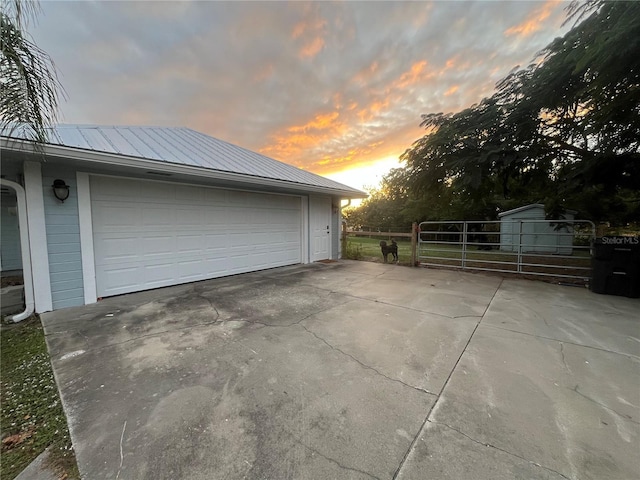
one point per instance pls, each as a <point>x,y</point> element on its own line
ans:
<point>31,415</point>
<point>369,249</point>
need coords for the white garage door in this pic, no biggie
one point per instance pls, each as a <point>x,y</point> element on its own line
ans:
<point>154,234</point>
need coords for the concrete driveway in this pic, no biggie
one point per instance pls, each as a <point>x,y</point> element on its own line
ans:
<point>353,370</point>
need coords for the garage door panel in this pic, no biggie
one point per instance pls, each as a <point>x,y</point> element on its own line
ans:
<point>238,216</point>
<point>111,216</point>
<point>216,266</point>
<point>192,244</point>
<point>188,194</point>
<point>193,216</point>
<point>121,279</point>
<point>155,216</point>
<point>190,270</point>
<point>150,244</point>
<point>213,216</point>
<point>168,234</point>
<point>118,249</point>
<point>215,241</point>
<point>157,271</point>
<point>213,196</point>
<point>153,190</point>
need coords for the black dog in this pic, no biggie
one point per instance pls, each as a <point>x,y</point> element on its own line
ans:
<point>389,249</point>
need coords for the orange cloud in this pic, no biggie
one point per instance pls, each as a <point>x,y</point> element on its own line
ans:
<point>412,76</point>
<point>451,90</point>
<point>289,144</point>
<point>364,75</point>
<point>355,132</point>
<point>310,33</point>
<point>298,30</point>
<point>264,73</point>
<point>320,122</point>
<point>311,49</point>
<point>534,22</point>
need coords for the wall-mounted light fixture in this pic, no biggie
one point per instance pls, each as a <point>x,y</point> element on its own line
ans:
<point>60,189</point>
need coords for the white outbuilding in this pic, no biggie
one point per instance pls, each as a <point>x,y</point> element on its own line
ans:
<point>526,229</point>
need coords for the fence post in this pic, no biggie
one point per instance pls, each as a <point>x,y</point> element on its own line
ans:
<point>463,259</point>
<point>519,267</point>
<point>414,244</point>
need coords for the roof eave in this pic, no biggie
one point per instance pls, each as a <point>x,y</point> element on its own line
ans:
<point>102,158</point>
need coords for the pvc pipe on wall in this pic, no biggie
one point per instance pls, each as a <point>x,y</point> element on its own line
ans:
<point>26,251</point>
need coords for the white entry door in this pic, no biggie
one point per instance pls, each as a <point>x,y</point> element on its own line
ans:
<point>153,234</point>
<point>320,222</point>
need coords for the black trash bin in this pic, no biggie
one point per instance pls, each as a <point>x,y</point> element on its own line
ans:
<point>615,264</point>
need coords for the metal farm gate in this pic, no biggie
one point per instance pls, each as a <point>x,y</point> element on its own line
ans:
<point>548,248</point>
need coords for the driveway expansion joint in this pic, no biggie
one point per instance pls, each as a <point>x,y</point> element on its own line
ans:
<point>364,365</point>
<point>628,355</point>
<point>332,460</point>
<point>444,386</point>
<point>452,317</point>
<point>489,445</point>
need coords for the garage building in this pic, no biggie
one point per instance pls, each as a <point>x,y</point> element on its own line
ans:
<point>149,207</point>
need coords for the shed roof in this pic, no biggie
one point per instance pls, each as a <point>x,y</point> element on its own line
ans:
<point>536,206</point>
<point>183,146</point>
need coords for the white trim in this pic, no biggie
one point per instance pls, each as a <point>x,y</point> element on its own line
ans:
<point>86,238</point>
<point>27,275</point>
<point>124,176</point>
<point>101,158</point>
<point>320,202</point>
<point>305,258</point>
<point>37,237</point>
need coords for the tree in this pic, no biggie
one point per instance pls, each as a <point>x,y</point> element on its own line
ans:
<point>564,131</point>
<point>28,82</point>
<point>386,206</point>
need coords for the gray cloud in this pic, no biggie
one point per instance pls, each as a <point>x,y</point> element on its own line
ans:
<point>321,85</point>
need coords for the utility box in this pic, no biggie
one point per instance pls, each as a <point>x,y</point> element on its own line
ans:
<point>615,263</point>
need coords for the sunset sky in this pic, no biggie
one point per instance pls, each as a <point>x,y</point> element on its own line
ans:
<point>333,88</point>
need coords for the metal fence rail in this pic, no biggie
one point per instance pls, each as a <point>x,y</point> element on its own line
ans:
<point>550,248</point>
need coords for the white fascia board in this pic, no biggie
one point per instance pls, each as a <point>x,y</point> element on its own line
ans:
<point>101,158</point>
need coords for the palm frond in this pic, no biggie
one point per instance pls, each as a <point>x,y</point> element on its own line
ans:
<point>29,85</point>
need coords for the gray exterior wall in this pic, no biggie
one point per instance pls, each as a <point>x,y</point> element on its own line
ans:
<point>63,239</point>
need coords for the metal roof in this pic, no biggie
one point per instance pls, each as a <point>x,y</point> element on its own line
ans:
<point>182,146</point>
<point>522,209</point>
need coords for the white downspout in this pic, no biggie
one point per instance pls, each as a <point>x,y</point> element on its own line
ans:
<point>342,207</point>
<point>27,274</point>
